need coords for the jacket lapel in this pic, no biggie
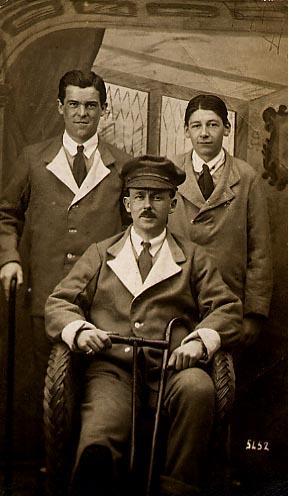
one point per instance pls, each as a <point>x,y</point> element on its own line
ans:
<point>166,265</point>
<point>56,162</point>
<point>96,174</point>
<point>190,189</point>
<point>59,166</point>
<point>124,264</point>
<point>223,192</point>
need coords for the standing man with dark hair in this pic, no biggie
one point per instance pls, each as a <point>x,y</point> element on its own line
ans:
<point>67,190</point>
<point>222,207</point>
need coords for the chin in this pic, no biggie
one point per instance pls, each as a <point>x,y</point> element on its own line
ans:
<point>206,151</point>
<point>85,131</point>
<point>147,226</point>
<point>205,148</point>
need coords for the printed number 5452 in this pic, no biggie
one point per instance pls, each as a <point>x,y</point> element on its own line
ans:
<point>257,445</point>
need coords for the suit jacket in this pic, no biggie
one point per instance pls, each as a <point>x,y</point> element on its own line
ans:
<point>105,288</point>
<point>233,227</point>
<point>62,220</point>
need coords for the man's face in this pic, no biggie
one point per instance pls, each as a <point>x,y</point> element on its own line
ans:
<point>81,112</point>
<point>206,131</point>
<point>149,209</point>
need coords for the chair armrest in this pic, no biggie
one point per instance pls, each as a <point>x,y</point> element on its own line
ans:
<point>223,375</point>
<point>61,415</point>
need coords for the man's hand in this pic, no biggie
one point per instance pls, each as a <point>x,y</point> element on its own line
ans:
<point>8,271</point>
<point>93,339</point>
<point>186,355</point>
<point>251,329</point>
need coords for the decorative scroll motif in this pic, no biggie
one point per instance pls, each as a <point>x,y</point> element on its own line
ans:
<point>275,147</point>
<point>269,9</point>
<point>30,14</point>
<point>173,140</point>
<point>105,7</point>
<point>125,123</point>
<point>181,9</point>
<point>268,16</point>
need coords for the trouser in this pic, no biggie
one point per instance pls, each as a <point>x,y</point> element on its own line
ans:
<point>41,351</point>
<point>189,402</point>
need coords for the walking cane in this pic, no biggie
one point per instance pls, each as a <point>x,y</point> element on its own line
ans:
<point>162,345</point>
<point>159,401</point>
<point>8,438</point>
<point>136,343</point>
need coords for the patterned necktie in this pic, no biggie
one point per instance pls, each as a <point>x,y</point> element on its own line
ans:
<point>79,168</point>
<point>205,182</point>
<point>145,261</point>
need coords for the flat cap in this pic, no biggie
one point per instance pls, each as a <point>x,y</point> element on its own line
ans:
<point>155,172</point>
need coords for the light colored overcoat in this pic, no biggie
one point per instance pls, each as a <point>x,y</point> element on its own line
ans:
<point>62,220</point>
<point>233,227</point>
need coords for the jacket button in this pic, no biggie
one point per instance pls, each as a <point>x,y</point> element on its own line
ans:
<point>70,256</point>
<point>75,206</point>
<point>72,230</point>
<point>138,325</point>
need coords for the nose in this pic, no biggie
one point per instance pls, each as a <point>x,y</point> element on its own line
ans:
<point>204,131</point>
<point>147,201</point>
<point>81,110</point>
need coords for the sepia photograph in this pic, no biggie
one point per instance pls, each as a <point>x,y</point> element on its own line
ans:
<point>143,247</point>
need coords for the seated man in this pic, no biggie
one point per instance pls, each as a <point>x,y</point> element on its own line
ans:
<point>134,284</point>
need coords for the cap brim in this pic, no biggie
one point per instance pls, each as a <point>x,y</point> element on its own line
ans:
<point>148,182</point>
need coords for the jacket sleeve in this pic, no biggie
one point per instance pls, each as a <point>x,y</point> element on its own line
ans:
<point>219,308</point>
<point>13,205</point>
<point>72,297</point>
<point>258,287</point>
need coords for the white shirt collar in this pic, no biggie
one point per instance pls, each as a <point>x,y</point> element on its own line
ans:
<point>213,164</point>
<point>71,146</point>
<point>156,242</point>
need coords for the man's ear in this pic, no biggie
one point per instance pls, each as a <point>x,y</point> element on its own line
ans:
<point>60,106</point>
<point>126,202</point>
<point>187,133</point>
<point>227,130</point>
<point>173,205</point>
<point>103,109</point>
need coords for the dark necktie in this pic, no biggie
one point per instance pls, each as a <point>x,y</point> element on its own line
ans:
<point>145,261</point>
<point>205,182</point>
<point>79,168</point>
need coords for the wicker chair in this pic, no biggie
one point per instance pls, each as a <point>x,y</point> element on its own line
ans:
<point>62,395</point>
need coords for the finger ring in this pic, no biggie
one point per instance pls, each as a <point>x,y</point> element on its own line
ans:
<point>89,352</point>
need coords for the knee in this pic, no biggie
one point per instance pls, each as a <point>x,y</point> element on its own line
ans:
<point>194,387</point>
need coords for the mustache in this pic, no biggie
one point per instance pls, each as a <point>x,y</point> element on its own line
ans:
<point>147,214</point>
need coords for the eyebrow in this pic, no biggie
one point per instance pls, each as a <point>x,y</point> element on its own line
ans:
<point>86,102</point>
<point>212,120</point>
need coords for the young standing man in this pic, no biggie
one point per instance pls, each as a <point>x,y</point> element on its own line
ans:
<point>134,284</point>
<point>67,191</point>
<point>222,207</point>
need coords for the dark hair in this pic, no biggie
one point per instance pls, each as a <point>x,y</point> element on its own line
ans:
<point>82,79</point>
<point>207,102</point>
